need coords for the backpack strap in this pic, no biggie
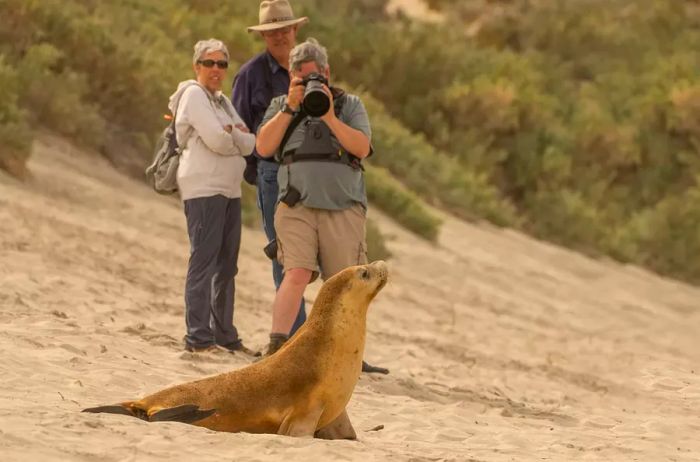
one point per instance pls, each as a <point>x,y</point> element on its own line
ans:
<point>174,112</point>
<point>298,117</point>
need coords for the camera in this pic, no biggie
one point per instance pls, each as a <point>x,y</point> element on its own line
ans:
<point>316,102</point>
<point>271,249</point>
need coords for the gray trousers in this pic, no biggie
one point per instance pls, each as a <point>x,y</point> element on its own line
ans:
<point>214,229</point>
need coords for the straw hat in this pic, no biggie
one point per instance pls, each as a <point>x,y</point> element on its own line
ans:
<point>275,14</point>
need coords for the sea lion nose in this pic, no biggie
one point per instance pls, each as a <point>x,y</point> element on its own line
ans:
<point>380,267</point>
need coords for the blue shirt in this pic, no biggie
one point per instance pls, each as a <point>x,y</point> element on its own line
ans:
<point>257,82</point>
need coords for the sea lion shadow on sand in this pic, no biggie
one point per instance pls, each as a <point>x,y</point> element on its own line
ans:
<point>301,390</point>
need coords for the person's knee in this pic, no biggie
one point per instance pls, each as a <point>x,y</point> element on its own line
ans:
<point>298,276</point>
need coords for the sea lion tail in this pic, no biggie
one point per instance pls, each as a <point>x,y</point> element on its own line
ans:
<point>187,413</point>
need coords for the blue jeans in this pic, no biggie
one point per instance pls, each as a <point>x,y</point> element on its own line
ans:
<point>267,201</point>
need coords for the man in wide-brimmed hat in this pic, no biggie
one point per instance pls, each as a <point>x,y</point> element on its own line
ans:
<point>259,80</point>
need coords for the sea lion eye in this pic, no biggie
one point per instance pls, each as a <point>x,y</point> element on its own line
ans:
<point>364,274</point>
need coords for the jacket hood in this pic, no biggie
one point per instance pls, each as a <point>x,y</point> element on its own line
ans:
<point>184,85</point>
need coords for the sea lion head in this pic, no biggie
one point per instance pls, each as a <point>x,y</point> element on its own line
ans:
<point>363,281</point>
<point>351,290</point>
<point>375,274</point>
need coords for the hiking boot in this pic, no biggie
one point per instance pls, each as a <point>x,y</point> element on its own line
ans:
<point>276,342</point>
<point>204,349</point>
<point>366,367</point>
<point>238,347</point>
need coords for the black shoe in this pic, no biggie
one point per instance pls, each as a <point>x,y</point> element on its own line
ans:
<point>238,347</point>
<point>366,367</point>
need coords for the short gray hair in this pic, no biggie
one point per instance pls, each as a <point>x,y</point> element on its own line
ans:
<point>306,52</point>
<point>203,47</point>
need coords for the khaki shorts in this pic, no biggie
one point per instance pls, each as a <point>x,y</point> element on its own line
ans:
<point>333,239</point>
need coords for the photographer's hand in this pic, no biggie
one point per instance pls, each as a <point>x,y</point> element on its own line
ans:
<point>353,140</point>
<point>295,94</point>
<point>271,133</point>
<point>330,115</point>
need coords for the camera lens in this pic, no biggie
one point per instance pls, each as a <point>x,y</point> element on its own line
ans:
<point>316,101</point>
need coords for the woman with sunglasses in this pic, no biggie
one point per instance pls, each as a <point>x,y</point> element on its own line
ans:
<point>213,139</point>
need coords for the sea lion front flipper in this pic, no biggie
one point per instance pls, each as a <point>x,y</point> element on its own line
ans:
<point>301,425</point>
<point>339,429</point>
<point>187,413</point>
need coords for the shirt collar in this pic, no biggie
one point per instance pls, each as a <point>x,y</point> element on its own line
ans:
<point>272,62</point>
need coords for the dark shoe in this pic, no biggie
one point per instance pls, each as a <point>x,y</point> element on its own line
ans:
<point>276,342</point>
<point>204,349</point>
<point>238,347</point>
<point>366,367</point>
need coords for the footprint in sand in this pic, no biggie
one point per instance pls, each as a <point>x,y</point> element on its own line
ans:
<point>669,384</point>
<point>627,429</point>
<point>601,422</point>
<point>215,356</point>
<point>692,391</point>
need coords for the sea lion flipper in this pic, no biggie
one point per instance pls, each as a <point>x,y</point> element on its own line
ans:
<point>111,409</point>
<point>187,413</point>
<point>127,408</point>
<point>300,425</point>
<point>339,429</point>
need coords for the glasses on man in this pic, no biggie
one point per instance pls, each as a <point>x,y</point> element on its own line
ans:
<point>211,63</point>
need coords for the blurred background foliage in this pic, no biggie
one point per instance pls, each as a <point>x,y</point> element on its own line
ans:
<point>577,121</point>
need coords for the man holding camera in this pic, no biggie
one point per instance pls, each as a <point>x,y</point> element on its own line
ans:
<point>319,135</point>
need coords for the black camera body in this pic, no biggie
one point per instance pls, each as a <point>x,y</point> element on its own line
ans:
<point>316,102</point>
<point>271,249</point>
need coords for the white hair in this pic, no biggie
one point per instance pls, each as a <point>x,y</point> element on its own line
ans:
<point>309,51</point>
<point>203,47</point>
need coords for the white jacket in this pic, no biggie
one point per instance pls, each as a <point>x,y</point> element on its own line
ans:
<point>212,159</point>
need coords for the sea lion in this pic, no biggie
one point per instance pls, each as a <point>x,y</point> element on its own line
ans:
<point>300,389</point>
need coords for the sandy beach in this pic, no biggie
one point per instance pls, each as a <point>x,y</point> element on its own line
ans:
<point>501,347</point>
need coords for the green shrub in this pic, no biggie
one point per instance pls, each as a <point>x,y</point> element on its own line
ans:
<point>15,135</point>
<point>58,99</point>
<point>666,237</point>
<point>401,204</point>
<point>376,243</point>
<point>566,218</point>
<point>434,176</point>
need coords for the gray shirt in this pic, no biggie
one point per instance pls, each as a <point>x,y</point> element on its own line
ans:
<point>323,184</point>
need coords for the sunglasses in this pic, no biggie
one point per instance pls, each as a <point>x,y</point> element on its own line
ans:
<point>210,63</point>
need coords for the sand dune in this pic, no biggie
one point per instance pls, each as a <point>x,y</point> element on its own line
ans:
<point>501,347</point>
